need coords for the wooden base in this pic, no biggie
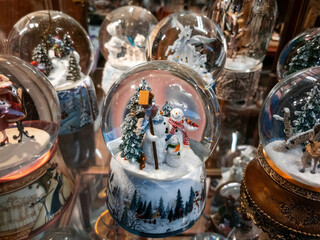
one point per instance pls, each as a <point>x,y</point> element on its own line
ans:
<point>280,213</point>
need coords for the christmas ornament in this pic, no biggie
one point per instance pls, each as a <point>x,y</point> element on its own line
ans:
<point>156,186</point>
<point>122,39</point>
<point>35,185</point>
<point>300,53</point>
<point>190,39</point>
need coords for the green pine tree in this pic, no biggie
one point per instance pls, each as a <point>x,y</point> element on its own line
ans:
<point>68,44</point>
<point>73,73</point>
<point>133,205</point>
<point>161,209</point>
<point>166,108</point>
<point>178,210</point>
<point>148,213</point>
<point>309,114</point>
<point>191,199</point>
<point>39,54</point>
<point>307,56</point>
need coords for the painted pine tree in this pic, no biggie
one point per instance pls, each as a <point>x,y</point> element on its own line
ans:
<point>309,114</point>
<point>170,215</point>
<point>68,44</point>
<point>73,69</point>
<point>39,54</point>
<point>166,108</point>
<point>131,142</point>
<point>178,210</point>
<point>133,204</point>
<point>161,209</point>
<point>307,56</point>
<point>124,218</point>
<point>191,199</point>
<point>148,213</point>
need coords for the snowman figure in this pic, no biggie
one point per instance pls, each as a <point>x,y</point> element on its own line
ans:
<point>179,126</point>
<point>160,127</point>
<point>173,157</point>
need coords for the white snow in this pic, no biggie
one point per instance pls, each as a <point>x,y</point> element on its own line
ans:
<point>189,162</point>
<point>240,63</point>
<point>290,163</point>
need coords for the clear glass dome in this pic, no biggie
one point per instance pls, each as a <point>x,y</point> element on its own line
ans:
<point>53,33</point>
<point>3,42</point>
<point>289,127</point>
<point>185,115</point>
<point>247,27</point>
<point>123,36</point>
<point>300,53</point>
<point>29,117</point>
<point>191,39</point>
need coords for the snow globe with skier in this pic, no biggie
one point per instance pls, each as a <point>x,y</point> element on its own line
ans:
<point>122,39</point>
<point>289,128</point>
<point>191,39</point>
<point>35,185</point>
<point>300,53</point>
<point>60,48</point>
<point>160,129</point>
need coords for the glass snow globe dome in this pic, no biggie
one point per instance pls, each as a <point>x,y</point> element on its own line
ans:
<point>300,53</point>
<point>52,32</point>
<point>29,118</point>
<point>184,111</point>
<point>123,36</point>
<point>247,27</point>
<point>191,39</point>
<point>289,128</point>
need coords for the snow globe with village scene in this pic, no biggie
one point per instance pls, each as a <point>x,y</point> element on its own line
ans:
<point>160,123</point>
<point>60,48</point>
<point>122,40</point>
<point>35,185</point>
<point>191,39</point>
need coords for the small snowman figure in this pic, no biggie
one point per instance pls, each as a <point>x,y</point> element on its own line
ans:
<point>160,127</point>
<point>115,44</point>
<point>173,157</point>
<point>179,125</point>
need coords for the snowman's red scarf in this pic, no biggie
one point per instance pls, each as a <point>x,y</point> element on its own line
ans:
<point>179,125</point>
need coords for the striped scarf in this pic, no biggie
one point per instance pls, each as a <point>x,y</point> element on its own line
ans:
<point>179,125</point>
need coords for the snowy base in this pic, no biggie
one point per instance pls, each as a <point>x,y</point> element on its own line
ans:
<point>127,193</point>
<point>13,152</point>
<point>109,76</point>
<point>241,63</point>
<point>290,163</point>
<point>189,162</point>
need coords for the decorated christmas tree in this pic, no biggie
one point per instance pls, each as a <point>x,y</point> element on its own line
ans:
<point>40,56</point>
<point>68,44</point>
<point>310,112</point>
<point>307,56</point>
<point>166,108</point>
<point>131,141</point>
<point>73,69</point>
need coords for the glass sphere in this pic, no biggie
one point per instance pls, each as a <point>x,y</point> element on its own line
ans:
<point>3,42</point>
<point>57,32</point>
<point>29,117</point>
<point>247,27</point>
<point>300,53</point>
<point>184,112</point>
<point>289,127</point>
<point>123,36</point>
<point>191,39</point>
<point>208,236</point>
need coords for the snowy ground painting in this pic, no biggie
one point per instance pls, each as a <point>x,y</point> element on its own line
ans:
<point>290,163</point>
<point>155,207</point>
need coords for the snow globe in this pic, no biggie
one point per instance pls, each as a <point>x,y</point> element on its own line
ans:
<point>247,27</point>
<point>286,165</point>
<point>161,123</point>
<point>300,53</point>
<point>35,185</point>
<point>191,39</point>
<point>122,39</point>
<point>60,48</point>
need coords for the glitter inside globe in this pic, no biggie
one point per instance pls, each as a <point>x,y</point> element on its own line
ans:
<point>29,117</point>
<point>191,39</point>
<point>300,53</point>
<point>289,127</point>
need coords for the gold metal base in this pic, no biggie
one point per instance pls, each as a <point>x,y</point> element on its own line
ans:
<point>280,213</point>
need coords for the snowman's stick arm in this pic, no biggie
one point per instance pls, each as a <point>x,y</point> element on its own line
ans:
<point>155,156</point>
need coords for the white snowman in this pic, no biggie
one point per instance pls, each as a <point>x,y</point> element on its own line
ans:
<point>179,125</point>
<point>160,127</point>
<point>173,157</point>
